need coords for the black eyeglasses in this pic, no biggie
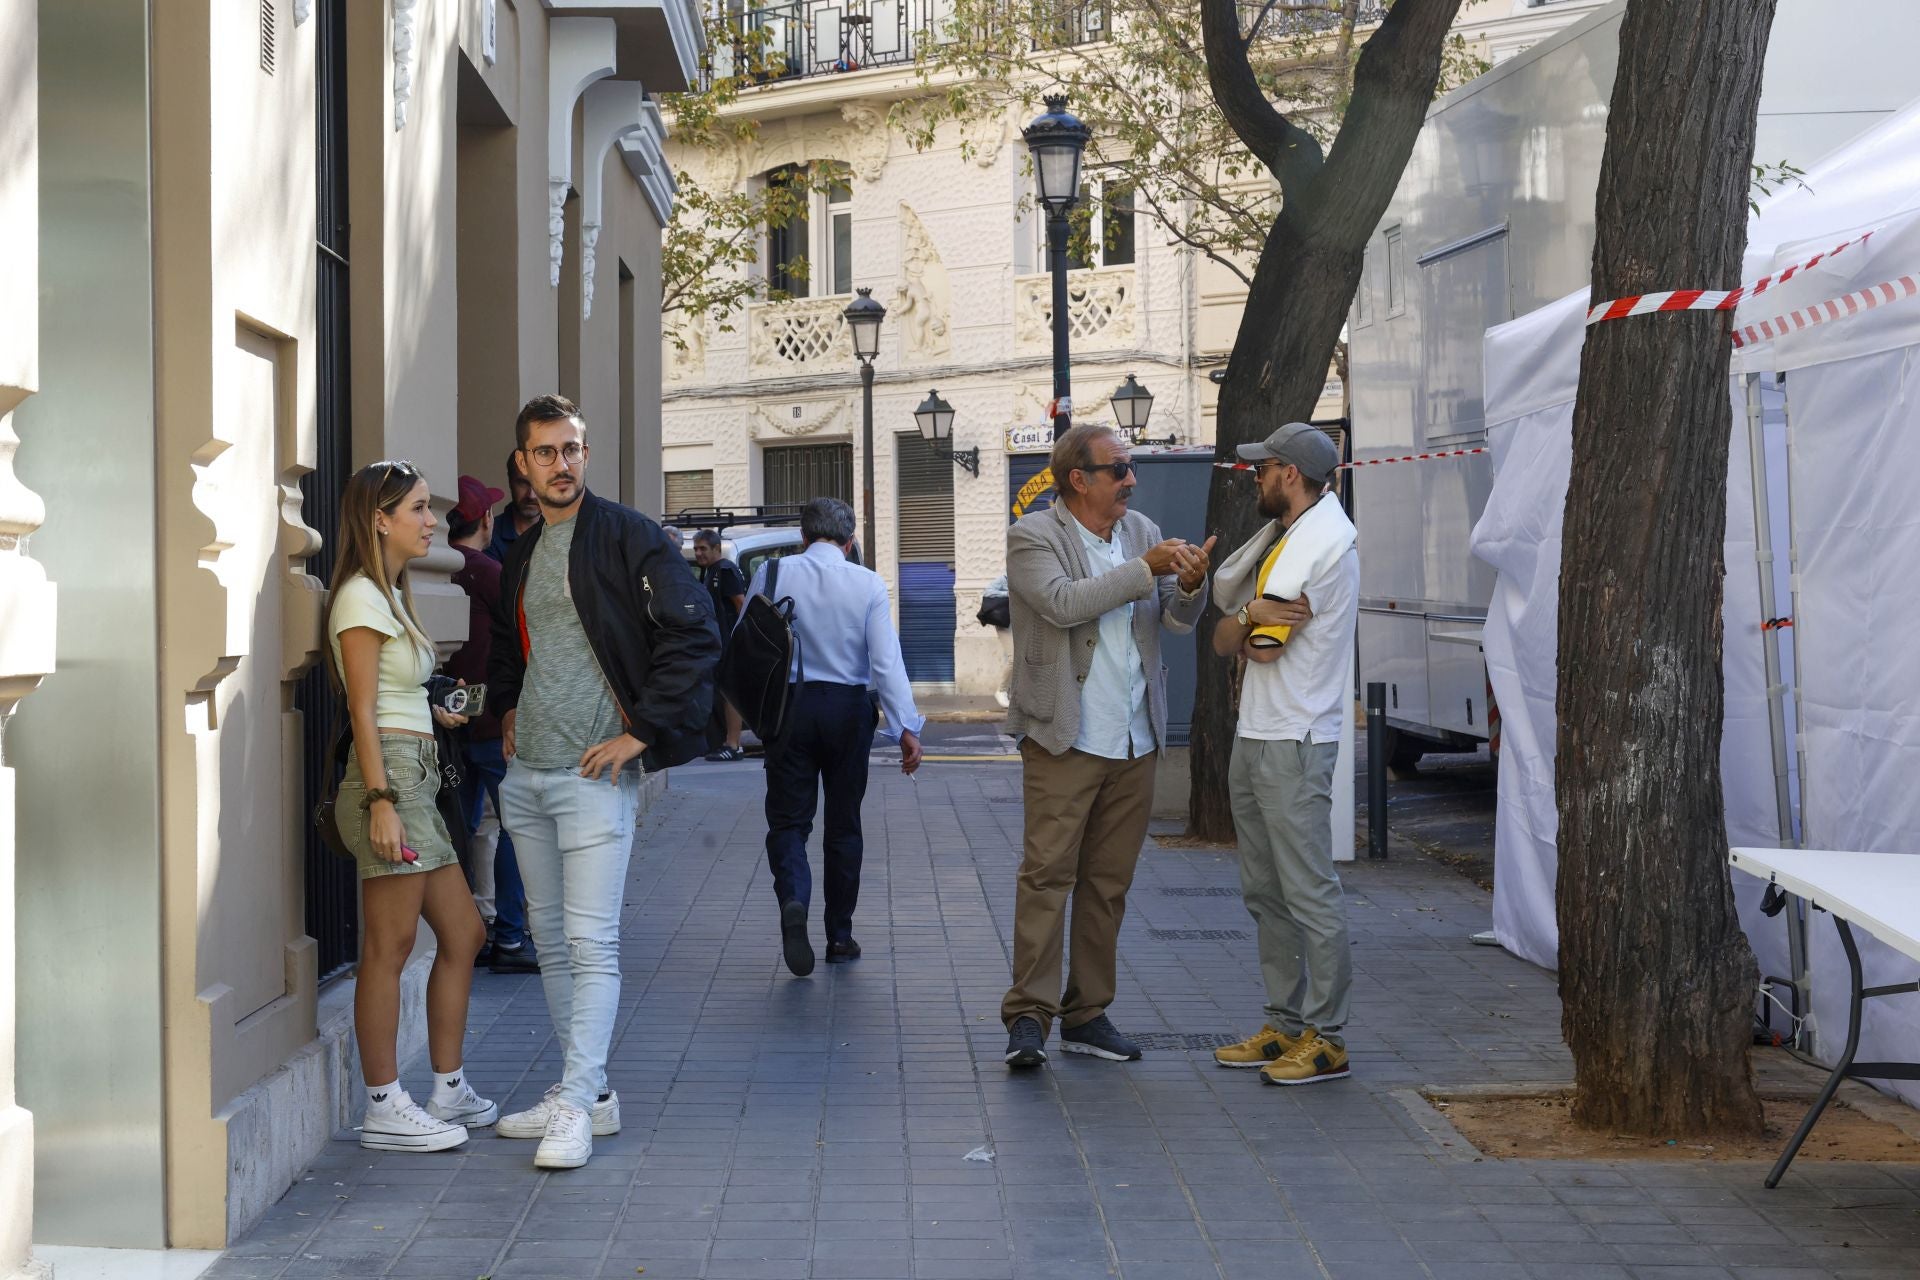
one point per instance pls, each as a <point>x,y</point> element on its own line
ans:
<point>546,455</point>
<point>1118,470</point>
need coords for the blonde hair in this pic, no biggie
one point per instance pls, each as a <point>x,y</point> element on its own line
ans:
<point>375,489</point>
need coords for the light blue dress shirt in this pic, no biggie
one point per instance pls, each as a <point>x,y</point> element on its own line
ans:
<point>844,620</point>
<point>1114,721</point>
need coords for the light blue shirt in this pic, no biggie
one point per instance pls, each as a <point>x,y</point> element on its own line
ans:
<point>1114,721</point>
<point>844,620</point>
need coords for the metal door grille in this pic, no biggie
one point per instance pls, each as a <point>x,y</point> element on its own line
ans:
<point>798,473</point>
<point>332,886</point>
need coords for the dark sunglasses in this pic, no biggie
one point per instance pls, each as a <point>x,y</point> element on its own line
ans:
<point>1118,470</point>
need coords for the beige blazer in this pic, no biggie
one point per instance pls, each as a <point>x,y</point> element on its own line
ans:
<point>1057,604</point>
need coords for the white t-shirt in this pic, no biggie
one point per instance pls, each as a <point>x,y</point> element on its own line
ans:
<point>1302,696</point>
<point>405,663</point>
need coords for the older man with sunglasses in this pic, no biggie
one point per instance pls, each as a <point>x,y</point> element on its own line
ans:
<point>1091,583</point>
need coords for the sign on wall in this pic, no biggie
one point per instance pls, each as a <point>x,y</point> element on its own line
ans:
<point>1035,439</point>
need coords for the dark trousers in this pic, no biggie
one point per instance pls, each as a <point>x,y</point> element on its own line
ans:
<point>486,766</point>
<point>828,737</point>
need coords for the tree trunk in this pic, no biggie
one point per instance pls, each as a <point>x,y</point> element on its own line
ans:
<point>1656,979</point>
<point>1302,286</point>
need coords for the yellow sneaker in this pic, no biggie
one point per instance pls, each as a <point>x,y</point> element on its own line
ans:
<point>1257,1050</point>
<point>1310,1061</point>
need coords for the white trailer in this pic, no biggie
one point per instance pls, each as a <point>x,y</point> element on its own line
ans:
<point>1493,218</point>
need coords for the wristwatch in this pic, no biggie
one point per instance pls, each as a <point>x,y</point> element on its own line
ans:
<point>1245,616</point>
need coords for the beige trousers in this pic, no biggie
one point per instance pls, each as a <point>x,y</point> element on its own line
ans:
<point>1086,818</point>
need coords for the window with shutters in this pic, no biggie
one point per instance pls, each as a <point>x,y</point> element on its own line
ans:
<point>688,491</point>
<point>797,473</point>
<point>810,255</point>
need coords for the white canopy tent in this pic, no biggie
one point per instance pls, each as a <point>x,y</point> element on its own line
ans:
<point>1840,450</point>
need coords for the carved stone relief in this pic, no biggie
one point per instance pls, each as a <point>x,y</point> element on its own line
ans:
<point>981,140</point>
<point>923,305</point>
<point>403,36</point>
<point>687,359</point>
<point>799,419</point>
<point>1100,310</point>
<point>865,142</point>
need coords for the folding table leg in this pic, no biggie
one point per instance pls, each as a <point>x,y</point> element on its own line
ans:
<point>1840,1068</point>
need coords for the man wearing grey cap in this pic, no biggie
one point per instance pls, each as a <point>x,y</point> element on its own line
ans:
<point>1291,598</point>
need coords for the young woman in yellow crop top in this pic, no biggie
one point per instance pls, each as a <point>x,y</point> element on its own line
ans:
<point>408,866</point>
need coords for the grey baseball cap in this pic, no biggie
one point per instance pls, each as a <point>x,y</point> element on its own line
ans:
<point>1308,448</point>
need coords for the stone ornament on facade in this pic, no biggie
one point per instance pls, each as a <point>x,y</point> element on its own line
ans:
<point>786,338</point>
<point>797,420</point>
<point>686,356</point>
<point>589,241</point>
<point>580,52</point>
<point>923,306</point>
<point>981,139</point>
<point>557,189</point>
<point>489,32</point>
<point>867,140</point>
<point>1100,307</point>
<point>403,24</point>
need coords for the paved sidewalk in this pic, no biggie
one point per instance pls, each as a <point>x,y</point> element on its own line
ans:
<point>787,1128</point>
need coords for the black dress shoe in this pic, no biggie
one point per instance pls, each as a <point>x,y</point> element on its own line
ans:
<point>793,938</point>
<point>1026,1043</point>
<point>841,952</point>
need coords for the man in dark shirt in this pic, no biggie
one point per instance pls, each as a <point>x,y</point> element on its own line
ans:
<point>492,867</point>
<point>520,513</point>
<point>728,588</point>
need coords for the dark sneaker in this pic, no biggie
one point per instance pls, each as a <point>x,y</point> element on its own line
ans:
<point>794,946</point>
<point>841,952</point>
<point>1026,1043</point>
<point>513,959</point>
<point>725,755</point>
<point>484,956</point>
<point>1101,1039</point>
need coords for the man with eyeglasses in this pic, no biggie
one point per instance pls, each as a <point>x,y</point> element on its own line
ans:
<point>603,655</point>
<point>1292,596</point>
<point>1091,584</point>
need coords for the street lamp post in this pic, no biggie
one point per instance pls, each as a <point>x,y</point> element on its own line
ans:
<point>1057,141</point>
<point>863,321</point>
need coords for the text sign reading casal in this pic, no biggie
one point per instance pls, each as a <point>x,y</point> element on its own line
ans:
<point>1037,439</point>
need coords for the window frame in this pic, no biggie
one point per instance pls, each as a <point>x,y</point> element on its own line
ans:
<point>1396,253</point>
<point>826,212</point>
<point>1097,186</point>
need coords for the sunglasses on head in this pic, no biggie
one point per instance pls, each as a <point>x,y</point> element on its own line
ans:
<point>1118,470</point>
<point>397,466</point>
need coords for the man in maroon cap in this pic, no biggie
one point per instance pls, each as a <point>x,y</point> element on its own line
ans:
<point>491,866</point>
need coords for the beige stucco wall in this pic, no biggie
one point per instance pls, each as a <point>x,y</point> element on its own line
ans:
<point>26,598</point>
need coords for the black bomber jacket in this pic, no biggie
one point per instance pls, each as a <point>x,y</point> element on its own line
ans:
<point>648,620</point>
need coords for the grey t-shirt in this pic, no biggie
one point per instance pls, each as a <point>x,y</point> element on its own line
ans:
<point>565,704</point>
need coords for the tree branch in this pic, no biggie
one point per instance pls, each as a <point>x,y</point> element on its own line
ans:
<point>1290,152</point>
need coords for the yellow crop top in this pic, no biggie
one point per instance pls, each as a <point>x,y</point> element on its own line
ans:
<point>405,663</point>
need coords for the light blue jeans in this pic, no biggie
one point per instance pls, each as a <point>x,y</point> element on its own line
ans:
<point>573,837</point>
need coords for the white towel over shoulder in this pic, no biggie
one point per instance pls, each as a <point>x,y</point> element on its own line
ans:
<point>1315,543</point>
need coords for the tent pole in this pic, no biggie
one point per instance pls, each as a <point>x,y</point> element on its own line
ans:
<point>1776,691</point>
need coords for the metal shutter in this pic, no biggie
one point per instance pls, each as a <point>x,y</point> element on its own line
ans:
<point>689,491</point>
<point>928,609</point>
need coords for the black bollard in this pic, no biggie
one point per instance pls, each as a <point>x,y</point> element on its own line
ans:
<point>1376,769</point>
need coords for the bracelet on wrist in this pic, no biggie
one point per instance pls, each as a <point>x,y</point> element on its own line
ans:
<point>379,793</point>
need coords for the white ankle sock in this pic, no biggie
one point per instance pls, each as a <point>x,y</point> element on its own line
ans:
<point>447,1088</point>
<point>384,1096</point>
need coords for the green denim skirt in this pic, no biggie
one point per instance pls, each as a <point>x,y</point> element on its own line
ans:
<point>413,774</point>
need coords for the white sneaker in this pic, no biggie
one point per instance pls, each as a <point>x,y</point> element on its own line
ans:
<point>532,1123</point>
<point>569,1140</point>
<point>469,1109</point>
<point>399,1124</point>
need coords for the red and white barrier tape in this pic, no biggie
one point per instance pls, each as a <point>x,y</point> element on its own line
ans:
<point>1832,309</point>
<point>1641,304</point>
<point>1368,462</point>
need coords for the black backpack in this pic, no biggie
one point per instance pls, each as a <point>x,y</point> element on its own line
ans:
<point>754,666</point>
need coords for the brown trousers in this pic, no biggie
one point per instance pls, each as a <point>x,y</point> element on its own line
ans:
<point>1086,818</point>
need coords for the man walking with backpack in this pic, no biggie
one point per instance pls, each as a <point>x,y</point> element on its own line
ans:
<point>603,655</point>
<point>848,666</point>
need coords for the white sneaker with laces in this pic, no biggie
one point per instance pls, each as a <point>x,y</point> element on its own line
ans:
<point>532,1123</point>
<point>469,1109</point>
<point>569,1140</point>
<point>400,1124</point>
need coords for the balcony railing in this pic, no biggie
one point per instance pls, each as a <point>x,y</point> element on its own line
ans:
<point>1100,310</point>
<point>801,336</point>
<point>797,38</point>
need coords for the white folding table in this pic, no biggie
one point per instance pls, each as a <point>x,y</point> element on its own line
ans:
<point>1880,892</point>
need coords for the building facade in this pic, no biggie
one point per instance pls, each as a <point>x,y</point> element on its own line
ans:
<point>272,241</point>
<point>768,409</point>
